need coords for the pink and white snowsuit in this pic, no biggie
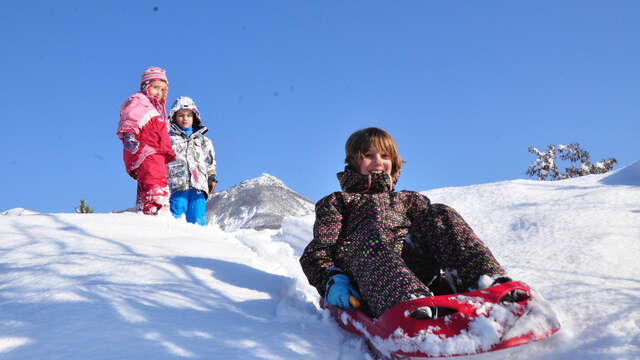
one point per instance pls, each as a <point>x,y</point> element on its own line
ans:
<point>145,117</point>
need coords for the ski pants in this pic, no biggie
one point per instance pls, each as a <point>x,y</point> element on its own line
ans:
<point>190,202</point>
<point>153,190</point>
<point>444,241</point>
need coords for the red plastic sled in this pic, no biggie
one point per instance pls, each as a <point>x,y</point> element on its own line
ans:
<point>468,323</point>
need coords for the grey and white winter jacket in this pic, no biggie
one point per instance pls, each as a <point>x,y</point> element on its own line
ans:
<point>195,159</point>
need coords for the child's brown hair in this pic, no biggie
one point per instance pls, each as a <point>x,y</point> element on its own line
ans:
<point>360,141</point>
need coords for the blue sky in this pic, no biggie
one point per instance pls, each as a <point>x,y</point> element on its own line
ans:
<point>464,87</point>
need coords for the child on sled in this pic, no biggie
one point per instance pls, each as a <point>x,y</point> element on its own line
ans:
<point>385,247</point>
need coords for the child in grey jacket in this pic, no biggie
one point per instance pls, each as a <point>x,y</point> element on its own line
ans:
<point>192,176</point>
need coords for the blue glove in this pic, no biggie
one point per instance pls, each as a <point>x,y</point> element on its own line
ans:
<point>130,142</point>
<point>338,290</point>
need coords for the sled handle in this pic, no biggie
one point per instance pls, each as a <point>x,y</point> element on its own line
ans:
<point>354,302</point>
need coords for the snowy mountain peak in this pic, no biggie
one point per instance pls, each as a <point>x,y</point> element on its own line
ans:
<point>264,179</point>
<point>258,203</point>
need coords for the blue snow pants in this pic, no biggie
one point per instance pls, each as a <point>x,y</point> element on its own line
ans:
<point>190,202</point>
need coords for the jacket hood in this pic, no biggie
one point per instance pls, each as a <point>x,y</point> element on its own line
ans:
<point>352,181</point>
<point>185,102</point>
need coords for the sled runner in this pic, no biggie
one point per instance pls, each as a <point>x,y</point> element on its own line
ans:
<point>467,323</point>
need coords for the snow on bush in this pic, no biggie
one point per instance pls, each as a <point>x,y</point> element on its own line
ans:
<point>545,166</point>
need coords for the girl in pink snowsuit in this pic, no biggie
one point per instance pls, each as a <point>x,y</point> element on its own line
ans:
<point>147,146</point>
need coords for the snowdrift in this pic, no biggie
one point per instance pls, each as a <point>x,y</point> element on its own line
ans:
<point>128,286</point>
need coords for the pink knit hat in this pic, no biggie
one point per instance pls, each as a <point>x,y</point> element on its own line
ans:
<point>153,73</point>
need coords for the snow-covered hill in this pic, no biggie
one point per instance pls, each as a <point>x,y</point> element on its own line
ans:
<point>128,286</point>
<point>259,203</point>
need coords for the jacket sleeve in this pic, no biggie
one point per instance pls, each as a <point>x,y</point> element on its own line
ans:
<point>318,257</point>
<point>129,117</point>
<point>418,206</point>
<point>135,113</point>
<point>210,157</point>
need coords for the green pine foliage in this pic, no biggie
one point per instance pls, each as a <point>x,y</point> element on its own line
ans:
<point>83,208</point>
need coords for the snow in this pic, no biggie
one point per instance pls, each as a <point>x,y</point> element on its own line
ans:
<point>129,286</point>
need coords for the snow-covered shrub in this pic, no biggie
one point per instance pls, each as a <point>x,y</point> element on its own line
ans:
<point>545,166</point>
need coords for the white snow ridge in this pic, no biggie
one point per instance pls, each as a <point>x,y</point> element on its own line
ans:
<point>129,286</point>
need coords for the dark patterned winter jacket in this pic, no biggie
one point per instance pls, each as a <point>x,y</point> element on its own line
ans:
<point>390,243</point>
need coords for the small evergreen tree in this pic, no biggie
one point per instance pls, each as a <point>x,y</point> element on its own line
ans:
<point>545,166</point>
<point>83,208</point>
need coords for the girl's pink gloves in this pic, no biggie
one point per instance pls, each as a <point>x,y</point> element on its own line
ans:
<point>130,142</point>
